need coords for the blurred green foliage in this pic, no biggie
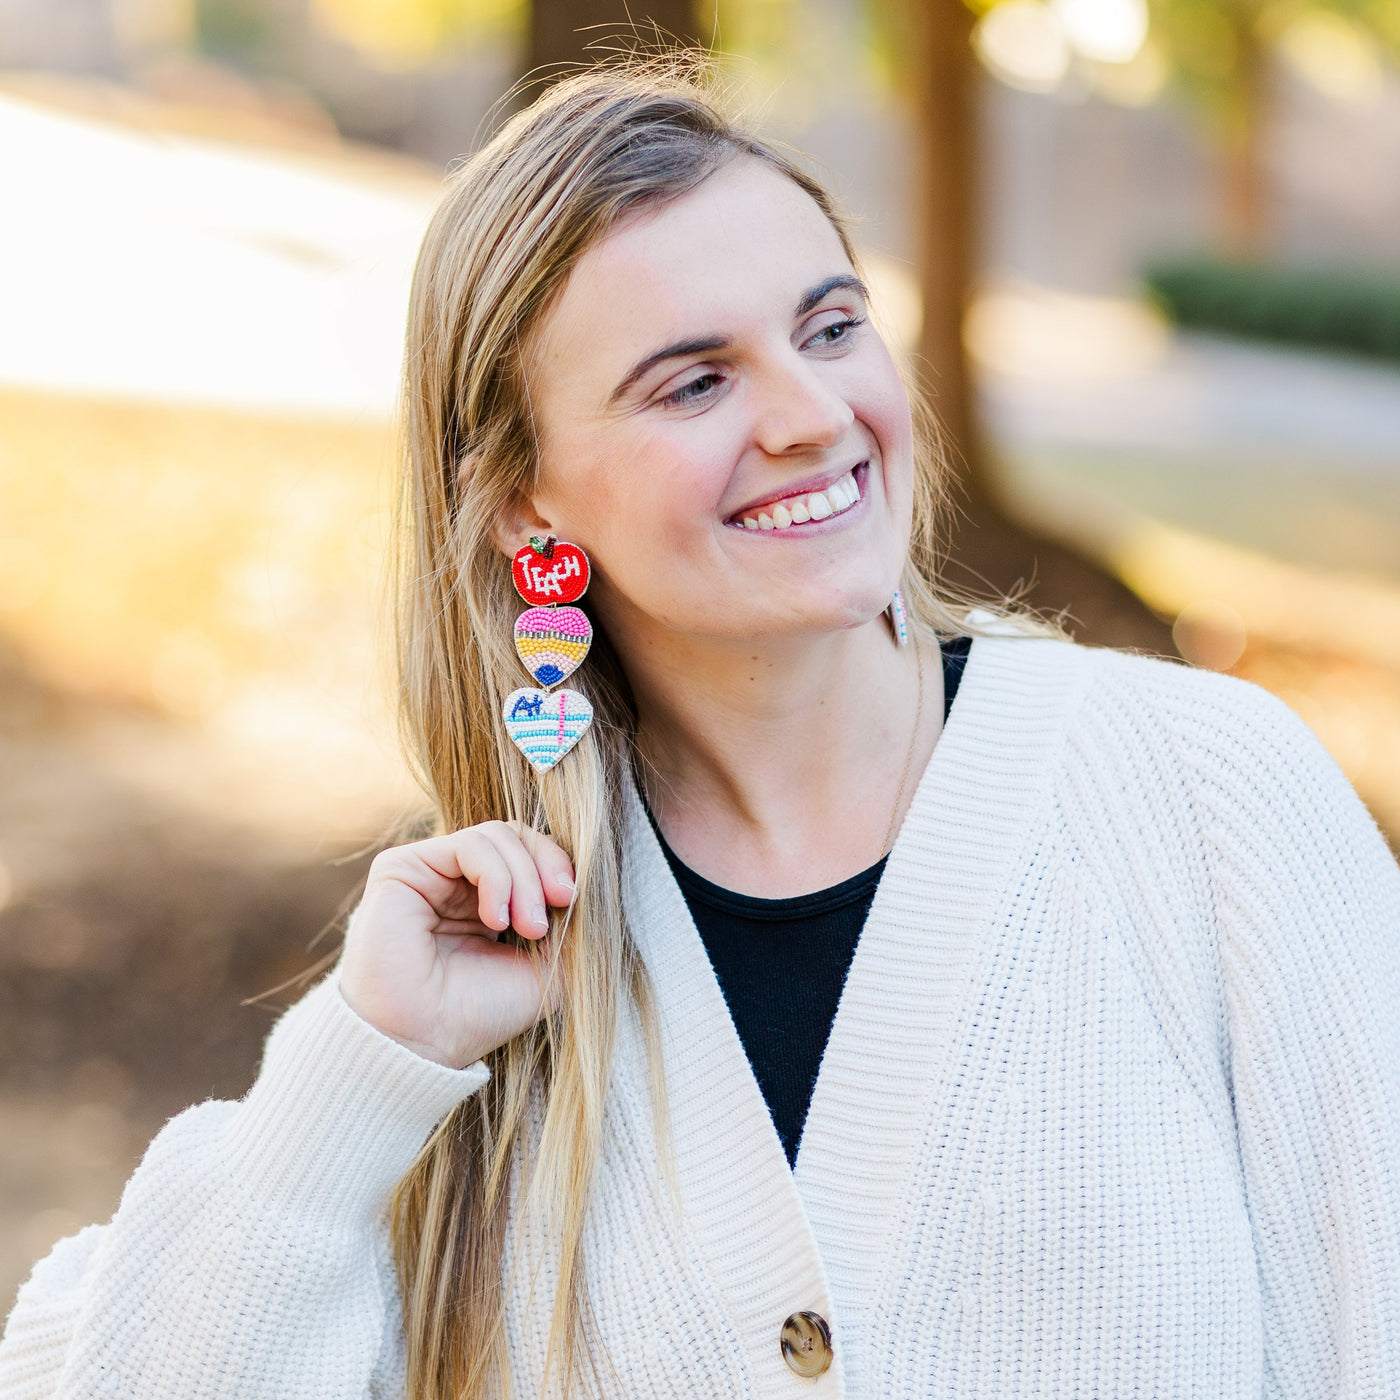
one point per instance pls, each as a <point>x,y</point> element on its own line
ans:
<point>242,33</point>
<point>1210,43</point>
<point>1334,309</point>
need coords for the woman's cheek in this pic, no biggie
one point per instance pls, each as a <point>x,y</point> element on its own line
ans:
<point>685,482</point>
<point>646,521</point>
<point>608,497</point>
<point>884,405</point>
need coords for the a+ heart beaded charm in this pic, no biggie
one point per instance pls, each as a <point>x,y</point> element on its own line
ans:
<point>551,640</point>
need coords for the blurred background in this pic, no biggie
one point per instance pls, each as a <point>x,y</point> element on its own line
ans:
<point>1146,252</point>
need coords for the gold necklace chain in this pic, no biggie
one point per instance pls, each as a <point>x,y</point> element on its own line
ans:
<point>913,744</point>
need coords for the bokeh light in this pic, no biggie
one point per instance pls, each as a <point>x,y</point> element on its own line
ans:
<point>1024,43</point>
<point>1210,633</point>
<point>1110,31</point>
<point>1335,55</point>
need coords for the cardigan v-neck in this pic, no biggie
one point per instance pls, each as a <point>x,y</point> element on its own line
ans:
<point>782,963</point>
<point>770,1232</point>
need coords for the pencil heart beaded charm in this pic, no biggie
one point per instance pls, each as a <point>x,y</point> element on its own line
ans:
<point>551,640</point>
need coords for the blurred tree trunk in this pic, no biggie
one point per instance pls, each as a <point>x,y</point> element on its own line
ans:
<point>989,549</point>
<point>1245,193</point>
<point>562,30</point>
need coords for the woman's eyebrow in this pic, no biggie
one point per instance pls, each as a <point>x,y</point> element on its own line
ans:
<point>845,282</point>
<point>702,345</point>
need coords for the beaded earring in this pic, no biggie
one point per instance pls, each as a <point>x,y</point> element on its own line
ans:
<point>899,619</point>
<point>551,640</point>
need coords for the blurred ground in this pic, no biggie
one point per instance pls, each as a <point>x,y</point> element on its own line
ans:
<point>223,568</point>
<point>192,742</point>
<point>134,926</point>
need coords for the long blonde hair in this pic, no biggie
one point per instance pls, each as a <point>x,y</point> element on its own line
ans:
<point>519,214</point>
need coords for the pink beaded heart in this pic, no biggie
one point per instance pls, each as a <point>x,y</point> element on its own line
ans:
<point>552,642</point>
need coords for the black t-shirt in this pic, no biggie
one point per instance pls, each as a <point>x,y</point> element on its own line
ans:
<point>781,963</point>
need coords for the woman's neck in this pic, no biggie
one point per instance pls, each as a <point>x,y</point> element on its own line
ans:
<point>778,768</point>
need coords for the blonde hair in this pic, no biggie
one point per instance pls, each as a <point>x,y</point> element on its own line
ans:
<point>520,213</point>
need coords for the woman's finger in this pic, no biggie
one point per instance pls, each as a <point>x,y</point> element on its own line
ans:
<point>512,872</point>
<point>527,907</point>
<point>555,868</point>
<point>471,855</point>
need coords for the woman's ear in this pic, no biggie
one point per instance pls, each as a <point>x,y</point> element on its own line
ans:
<point>515,522</point>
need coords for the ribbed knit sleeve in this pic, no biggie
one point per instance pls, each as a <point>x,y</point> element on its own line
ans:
<point>248,1255</point>
<point>1307,903</point>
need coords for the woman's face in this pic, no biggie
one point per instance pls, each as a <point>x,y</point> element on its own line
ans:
<point>720,427</point>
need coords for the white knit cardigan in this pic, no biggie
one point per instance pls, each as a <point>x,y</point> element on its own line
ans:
<point>1111,1108</point>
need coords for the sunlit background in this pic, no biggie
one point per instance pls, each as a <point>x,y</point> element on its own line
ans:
<point>1183,325</point>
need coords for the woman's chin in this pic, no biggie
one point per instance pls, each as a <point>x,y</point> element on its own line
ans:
<point>861,602</point>
<point>825,617</point>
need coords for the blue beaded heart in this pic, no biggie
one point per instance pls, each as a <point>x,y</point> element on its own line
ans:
<point>544,726</point>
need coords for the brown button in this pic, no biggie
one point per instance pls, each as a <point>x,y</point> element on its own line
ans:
<point>806,1342</point>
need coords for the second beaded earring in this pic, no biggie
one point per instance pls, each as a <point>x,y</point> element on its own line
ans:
<point>899,619</point>
<point>552,640</point>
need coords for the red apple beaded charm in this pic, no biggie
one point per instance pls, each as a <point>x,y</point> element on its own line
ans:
<point>550,571</point>
<point>552,641</point>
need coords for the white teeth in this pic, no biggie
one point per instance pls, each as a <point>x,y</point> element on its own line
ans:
<point>841,495</point>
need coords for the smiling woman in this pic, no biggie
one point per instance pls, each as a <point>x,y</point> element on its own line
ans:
<point>799,1030</point>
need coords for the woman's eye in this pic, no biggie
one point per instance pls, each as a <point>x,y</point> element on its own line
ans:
<point>698,389</point>
<point>837,331</point>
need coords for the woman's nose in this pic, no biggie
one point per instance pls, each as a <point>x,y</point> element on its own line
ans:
<point>798,409</point>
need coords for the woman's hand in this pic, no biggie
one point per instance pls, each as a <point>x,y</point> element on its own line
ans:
<point>421,961</point>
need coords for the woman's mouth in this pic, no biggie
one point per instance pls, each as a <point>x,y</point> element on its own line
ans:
<point>783,512</point>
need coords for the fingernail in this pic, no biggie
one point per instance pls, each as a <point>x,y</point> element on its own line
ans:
<point>568,883</point>
<point>503,913</point>
<point>537,917</point>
